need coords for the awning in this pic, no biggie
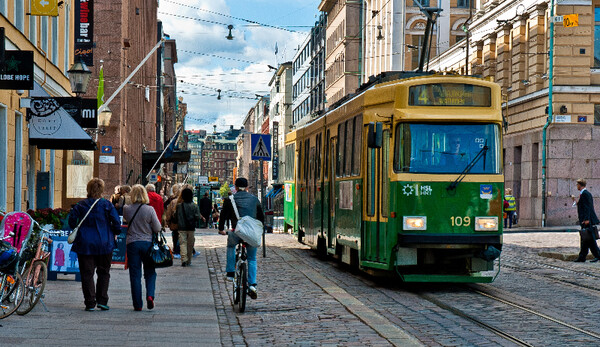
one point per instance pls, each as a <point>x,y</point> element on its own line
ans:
<point>52,126</point>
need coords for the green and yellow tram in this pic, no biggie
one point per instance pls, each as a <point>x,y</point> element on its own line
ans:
<point>405,176</point>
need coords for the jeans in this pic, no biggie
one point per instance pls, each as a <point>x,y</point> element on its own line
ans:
<point>232,241</point>
<point>97,294</point>
<point>136,256</point>
<point>509,217</point>
<point>175,237</point>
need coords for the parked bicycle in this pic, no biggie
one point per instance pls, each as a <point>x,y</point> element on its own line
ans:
<point>240,279</point>
<point>35,272</point>
<point>11,285</point>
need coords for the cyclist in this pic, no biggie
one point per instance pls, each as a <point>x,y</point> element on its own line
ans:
<point>247,205</point>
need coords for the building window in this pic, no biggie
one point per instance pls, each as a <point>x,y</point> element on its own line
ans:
<point>424,3</point>
<point>44,34</point>
<point>32,29</point>
<point>55,40</point>
<point>597,37</point>
<point>20,15</point>
<point>3,7</point>
<point>463,3</point>
<point>597,114</point>
<point>417,40</point>
<point>460,38</point>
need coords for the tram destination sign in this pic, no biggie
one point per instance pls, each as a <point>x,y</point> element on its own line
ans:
<point>450,94</point>
<point>16,71</point>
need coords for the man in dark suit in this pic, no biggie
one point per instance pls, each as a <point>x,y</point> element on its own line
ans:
<point>587,219</point>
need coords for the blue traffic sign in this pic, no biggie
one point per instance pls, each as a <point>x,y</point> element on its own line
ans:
<point>106,149</point>
<point>260,145</point>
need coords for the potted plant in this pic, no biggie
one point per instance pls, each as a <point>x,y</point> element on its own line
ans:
<point>46,216</point>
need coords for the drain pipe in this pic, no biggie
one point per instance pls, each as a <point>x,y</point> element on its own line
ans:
<point>550,113</point>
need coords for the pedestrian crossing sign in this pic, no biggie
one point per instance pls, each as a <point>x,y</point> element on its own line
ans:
<point>260,145</point>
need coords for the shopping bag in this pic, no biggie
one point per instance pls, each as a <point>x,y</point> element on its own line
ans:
<point>250,230</point>
<point>160,253</point>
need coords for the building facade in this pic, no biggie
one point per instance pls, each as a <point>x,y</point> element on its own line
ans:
<point>343,57</point>
<point>510,44</point>
<point>25,167</point>
<point>308,74</point>
<point>280,119</point>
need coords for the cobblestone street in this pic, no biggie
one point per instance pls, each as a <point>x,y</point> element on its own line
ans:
<point>307,301</point>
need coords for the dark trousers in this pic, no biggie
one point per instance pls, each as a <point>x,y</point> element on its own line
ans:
<point>509,218</point>
<point>136,257</point>
<point>175,236</point>
<point>587,243</point>
<point>95,293</point>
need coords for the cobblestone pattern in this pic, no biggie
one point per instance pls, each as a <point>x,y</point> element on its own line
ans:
<point>291,309</point>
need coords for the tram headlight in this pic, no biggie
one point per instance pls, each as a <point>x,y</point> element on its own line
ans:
<point>486,223</point>
<point>415,223</point>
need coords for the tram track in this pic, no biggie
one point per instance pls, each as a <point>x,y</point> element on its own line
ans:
<point>552,278</point>
<point>492,327</point>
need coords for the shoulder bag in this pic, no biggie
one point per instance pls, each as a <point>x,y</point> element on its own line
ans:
<point>247,228</point>
<point>73,234</point>
<point>159,252</point>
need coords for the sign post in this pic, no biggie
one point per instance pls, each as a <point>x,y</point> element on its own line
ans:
<point>260,145</point>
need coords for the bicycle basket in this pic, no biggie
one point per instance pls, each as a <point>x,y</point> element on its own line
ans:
<point>9,258</point>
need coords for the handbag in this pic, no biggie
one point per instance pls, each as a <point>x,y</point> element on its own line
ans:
<point>247,228</point>
<point>73,234</point>
<point>160,253</point>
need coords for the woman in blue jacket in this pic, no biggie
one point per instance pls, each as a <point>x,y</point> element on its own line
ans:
<point>94,243</point>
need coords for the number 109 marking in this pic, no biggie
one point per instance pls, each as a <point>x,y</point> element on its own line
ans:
<point>460,221</point>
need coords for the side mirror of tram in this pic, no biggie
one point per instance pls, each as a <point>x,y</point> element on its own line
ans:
<point>375,135</point>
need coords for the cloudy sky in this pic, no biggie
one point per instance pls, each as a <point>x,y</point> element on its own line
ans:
<point>207,61</point>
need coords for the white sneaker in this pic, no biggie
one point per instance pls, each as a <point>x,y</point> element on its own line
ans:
<point>252,292</point>
<point>177,256</point>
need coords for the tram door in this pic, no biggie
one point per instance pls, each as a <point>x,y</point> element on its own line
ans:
<point>332,197</point>
<point>376,248</point>
<point>304,198</point>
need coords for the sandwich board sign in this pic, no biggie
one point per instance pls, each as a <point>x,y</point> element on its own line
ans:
<point>260,145</point>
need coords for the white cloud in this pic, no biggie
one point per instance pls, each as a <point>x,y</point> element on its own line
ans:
<point>244,73</point>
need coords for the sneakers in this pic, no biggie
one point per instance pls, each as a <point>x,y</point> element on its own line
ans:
<point>137,309</point>
<point>184,264</point>
<point>150,302</point>
<point>90,309</point>
<point>103,307</point>
<point>230,276</point>
<point>252,292</point>
<point>177,256</point>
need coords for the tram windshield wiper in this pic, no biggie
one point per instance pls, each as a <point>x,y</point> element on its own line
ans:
<point>481,153</point>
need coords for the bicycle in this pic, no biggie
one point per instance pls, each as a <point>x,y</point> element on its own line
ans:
<point>240,279</point>
<point>12,288</point>
<point>36,274</point>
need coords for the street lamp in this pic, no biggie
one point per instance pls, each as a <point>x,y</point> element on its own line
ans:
<point>104,116</point>
<point>79,77</point>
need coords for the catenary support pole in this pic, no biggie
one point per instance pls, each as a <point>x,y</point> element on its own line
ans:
<point>550,112</point>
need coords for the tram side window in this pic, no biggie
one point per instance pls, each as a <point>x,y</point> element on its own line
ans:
<point>289,161</point>
<point>349,155</point>
<point>318,156</point>
<point>326,166</point>
<point>306,160</point>
<point>299,168</point>
<point>358,129</point>
<point>341,149</point>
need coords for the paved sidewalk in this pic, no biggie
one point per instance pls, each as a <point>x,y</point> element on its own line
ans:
<point>184,314</point>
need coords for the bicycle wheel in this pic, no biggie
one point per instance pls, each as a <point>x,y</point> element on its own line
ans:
<point>243,288</point>
<point>236,285</point>
<point>11,294</point>
<point>34,286</point>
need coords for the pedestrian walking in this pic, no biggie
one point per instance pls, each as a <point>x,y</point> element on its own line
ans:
<point>247,205</point>
<point>156,201</point>
<point>510,207</point>
<point>206,209</point>
<point>94,243</point>
<point>171,217</point>
<point>123,198</point>
<point>587,220</point>
<point>215,216</point>
<point>188,215</point>
<point>142,223</point>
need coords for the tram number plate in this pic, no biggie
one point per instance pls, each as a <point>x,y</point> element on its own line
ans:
<point>458,221</point>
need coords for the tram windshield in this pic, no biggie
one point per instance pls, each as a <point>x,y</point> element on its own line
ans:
<point>446,148</point>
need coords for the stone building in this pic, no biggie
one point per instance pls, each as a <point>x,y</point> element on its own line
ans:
<point>125,32</point>
<point>280,119</point>
<point>24,167</point>
<point>343,48</point>
<point>218,157</point>
<point>510,44</point>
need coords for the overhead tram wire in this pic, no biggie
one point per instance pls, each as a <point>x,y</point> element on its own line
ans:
<point>229,16</point>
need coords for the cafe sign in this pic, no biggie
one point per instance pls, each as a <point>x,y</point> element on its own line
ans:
<point>16,71</point>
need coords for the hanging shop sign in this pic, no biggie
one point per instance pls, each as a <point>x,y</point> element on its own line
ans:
<point>84,31</point>
<point>44,8</point>
<point>275,161</point>
<point>16,71</point>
